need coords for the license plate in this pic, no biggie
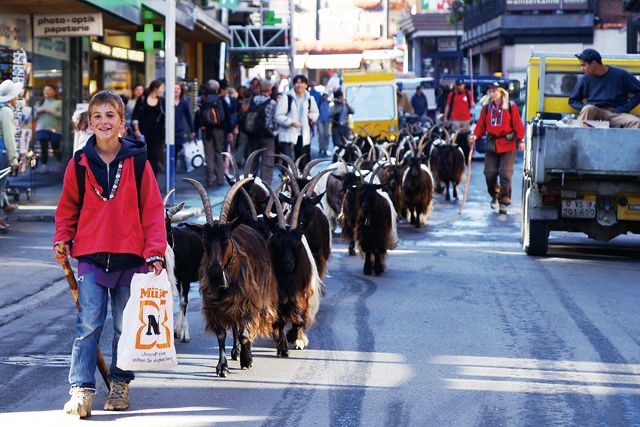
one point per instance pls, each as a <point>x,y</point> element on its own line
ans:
<point>579,208</point>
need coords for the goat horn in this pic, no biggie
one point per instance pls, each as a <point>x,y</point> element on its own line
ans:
<point>423,143</point>
<point>358,150</point>
<point>295,188</point>
<point>448,136</point>
<point>307,169</point>
<point>290,162</point>
<point>228,199</point>
<point>299,161</point>
<point>248,166</point>
<point>233,164</point>
<point>174,210</point>
<point>206,202</point>
<point>166,198</point>
<point>373,173</point>
<point>364,129</point>
<point>273,199</point>
<point>308,189</point>
<point>386,154</point>
<point>252,207</point>
<point>454,140</point>
<point>358,163</point>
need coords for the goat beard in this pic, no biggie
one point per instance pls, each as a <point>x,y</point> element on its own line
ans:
<point>218,278</point>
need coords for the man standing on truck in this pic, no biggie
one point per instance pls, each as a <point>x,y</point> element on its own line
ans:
<point>459,105</point>
<point>610,92</point>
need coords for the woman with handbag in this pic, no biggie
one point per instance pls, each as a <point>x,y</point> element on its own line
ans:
<point>501,121</point>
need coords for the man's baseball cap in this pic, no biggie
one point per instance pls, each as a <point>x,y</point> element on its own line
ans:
<point>459,82</point>
<point>589,55</point>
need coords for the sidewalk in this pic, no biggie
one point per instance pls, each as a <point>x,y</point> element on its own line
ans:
<point>46,189</point>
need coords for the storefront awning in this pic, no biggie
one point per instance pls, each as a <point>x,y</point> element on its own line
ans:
<point>211,26</point>
<point>382,54</point>
<point>347,61</point>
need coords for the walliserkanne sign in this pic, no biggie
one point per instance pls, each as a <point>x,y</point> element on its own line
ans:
<point>71,25</point>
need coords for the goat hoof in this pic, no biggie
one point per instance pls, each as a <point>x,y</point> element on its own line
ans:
<point>367,269</point>
<point>283,353</point>
<point>352,251</point>
<point>378,270</point>
<point>222,370</point>
<point>235,352</point>
<point>299,344</point>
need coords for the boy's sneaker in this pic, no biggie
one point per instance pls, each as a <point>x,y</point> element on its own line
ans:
<point>503,209</point>
<point>118,399</point>
<point>494,203</point>
<point>80,403</point>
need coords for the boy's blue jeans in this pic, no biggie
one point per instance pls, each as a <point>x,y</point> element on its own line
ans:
<point>93,300</point>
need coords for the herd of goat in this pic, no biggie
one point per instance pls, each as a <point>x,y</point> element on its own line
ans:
<point>260,263</point>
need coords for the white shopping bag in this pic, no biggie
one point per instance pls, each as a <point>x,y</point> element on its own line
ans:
<point>193,154</point>
<point>146,343</point>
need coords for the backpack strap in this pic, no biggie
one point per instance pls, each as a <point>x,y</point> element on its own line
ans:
<point>80,177</point>
<point>289,100</point>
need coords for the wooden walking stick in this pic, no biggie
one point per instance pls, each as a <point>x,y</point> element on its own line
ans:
<point>466,184</point>
<point>73,284</point>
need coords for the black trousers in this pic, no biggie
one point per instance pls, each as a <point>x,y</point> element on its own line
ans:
<point>300,150</point>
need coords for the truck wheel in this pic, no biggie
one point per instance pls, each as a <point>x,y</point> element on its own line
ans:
<point>536,237</point>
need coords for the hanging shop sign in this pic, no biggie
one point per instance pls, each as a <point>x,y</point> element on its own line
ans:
<point>70,25</point>
<point>530,5</point>
<point>15,31</point>
<point>53,47</point>
<point>117,52</point>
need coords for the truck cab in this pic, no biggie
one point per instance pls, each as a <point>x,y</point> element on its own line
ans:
<point>577,177</point>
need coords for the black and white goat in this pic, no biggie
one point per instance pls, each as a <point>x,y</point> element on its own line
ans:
<point>447,164</point>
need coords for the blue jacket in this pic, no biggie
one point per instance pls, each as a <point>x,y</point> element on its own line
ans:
<point>325,111</point>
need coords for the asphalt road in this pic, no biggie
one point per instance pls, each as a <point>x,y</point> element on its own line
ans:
<point>463,329</point>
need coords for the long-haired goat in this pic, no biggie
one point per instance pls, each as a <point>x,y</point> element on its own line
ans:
<point>417,187</point>
<point>238,287</point>
<point>375,230</point>
<point>299,284</point>
<point>447,163</point>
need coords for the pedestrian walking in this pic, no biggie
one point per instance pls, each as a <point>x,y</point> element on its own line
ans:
<point>458,109</point>
<point>259,124</point>
<point>419,102</point>
<point>212,119</point>
<point>148,120</point>
<point>48,118</point>
<point>295,114</point>
<point>242,140</point>
<point>111,218</point>
<point>183,118</point>
<point>340,111</point>
<point>324,118</point>
<point>501,121</point>
<point>9,92</point>
<point>605,92</point>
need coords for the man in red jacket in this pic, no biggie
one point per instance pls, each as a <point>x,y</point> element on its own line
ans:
<point>114,232</point>
<point>501,121</point>
<point>459,104</point>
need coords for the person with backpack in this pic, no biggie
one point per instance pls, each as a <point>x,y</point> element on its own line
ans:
<point>213,120</point>
<point>459,104</point>
<point>110,217</point>
<point>295,114</point>
<point>501,121</point>
<point>259,125</point>
<point>148,120</point>
<point>340,111</point>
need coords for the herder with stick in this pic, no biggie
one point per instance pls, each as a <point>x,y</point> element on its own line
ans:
<point>111,218</point>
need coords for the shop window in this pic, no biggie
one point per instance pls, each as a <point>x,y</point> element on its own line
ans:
<point>374,102</point>
<point>560,84</point>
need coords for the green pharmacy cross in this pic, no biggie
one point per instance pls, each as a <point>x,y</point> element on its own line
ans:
<point>270,18</point>
<point>149,37</point>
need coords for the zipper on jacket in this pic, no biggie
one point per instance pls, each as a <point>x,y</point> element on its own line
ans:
<point>108,261</point>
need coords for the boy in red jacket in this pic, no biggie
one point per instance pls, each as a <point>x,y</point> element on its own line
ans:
<point>114,232</point>
<point>501,121</point>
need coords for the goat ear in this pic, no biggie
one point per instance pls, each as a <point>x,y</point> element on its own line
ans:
<point>285,198</point>
<point>231,180</point>
<point>316,199</point>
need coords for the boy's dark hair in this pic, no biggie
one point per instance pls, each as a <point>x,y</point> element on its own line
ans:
<point>107,97</point>
<point>338,93</point>
<point>300,77</point>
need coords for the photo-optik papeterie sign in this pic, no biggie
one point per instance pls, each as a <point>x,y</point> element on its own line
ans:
<point>69,25</point>
<point>529,5</point>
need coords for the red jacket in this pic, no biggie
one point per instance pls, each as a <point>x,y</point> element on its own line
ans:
<point>114,226</point>
<point>497,123</point>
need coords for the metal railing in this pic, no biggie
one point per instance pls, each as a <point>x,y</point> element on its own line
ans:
<point>259,39</point>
